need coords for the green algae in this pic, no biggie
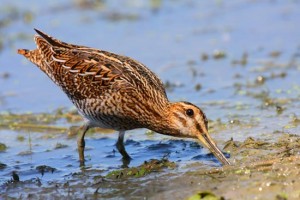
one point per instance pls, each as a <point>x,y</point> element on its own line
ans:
<point>8,119</point>
<point>243,61</point>
<point>45,122</point>
<point>3,147</point>
<point>20,138</point>
<point>60,146</point>
<point>218,54</point>
<point>205,195</point>
<point>146,168</point>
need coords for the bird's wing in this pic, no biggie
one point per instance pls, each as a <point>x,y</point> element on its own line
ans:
<point>99,69</point>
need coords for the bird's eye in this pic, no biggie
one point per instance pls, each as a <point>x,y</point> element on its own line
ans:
<point>189,112</point>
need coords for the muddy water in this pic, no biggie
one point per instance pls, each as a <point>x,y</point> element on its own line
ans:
<point>237,60</point>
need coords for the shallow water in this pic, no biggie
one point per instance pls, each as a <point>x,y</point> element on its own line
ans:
<point>237,60</point>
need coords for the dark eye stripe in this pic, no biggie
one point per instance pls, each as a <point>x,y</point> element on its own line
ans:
<point>205,119</point>
<point>198,127</point>
<point>181,119</point>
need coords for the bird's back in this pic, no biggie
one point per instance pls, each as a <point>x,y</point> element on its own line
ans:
<point>101,84</point>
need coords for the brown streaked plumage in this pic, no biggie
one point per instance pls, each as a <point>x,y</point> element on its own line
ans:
<point>116,92</point>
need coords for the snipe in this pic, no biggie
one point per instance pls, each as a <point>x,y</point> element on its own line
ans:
<point>116,92</point>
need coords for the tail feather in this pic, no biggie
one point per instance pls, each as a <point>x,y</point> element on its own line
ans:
<point>43,53</point>
<point>33,56</point>
<point>49,39</point>
<point>24,52</point>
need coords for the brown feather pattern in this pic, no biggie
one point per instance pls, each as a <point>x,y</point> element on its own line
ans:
<point>106,88</point>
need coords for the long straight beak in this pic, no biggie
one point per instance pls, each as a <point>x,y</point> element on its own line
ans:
<point>211,145</point>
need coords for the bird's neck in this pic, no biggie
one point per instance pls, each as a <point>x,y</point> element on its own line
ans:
<point>160,121</point>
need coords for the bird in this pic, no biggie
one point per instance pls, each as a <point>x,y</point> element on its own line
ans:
<point>117,92</point>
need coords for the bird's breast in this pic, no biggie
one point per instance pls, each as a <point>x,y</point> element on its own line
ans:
<point>108,113</point>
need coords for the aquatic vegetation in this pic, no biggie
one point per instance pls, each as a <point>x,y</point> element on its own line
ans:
<point>3,147</point>
<point>218,54</point>
<point>44,168</point>
<point>142,170</point>
<point>205,195</point>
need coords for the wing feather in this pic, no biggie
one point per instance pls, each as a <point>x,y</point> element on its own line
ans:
<point>74,67</point>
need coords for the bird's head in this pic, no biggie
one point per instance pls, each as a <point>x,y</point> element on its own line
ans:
<point>187,120</point>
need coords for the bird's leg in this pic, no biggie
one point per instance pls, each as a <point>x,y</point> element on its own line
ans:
<point>120,146</point>
<point>81,143</point>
